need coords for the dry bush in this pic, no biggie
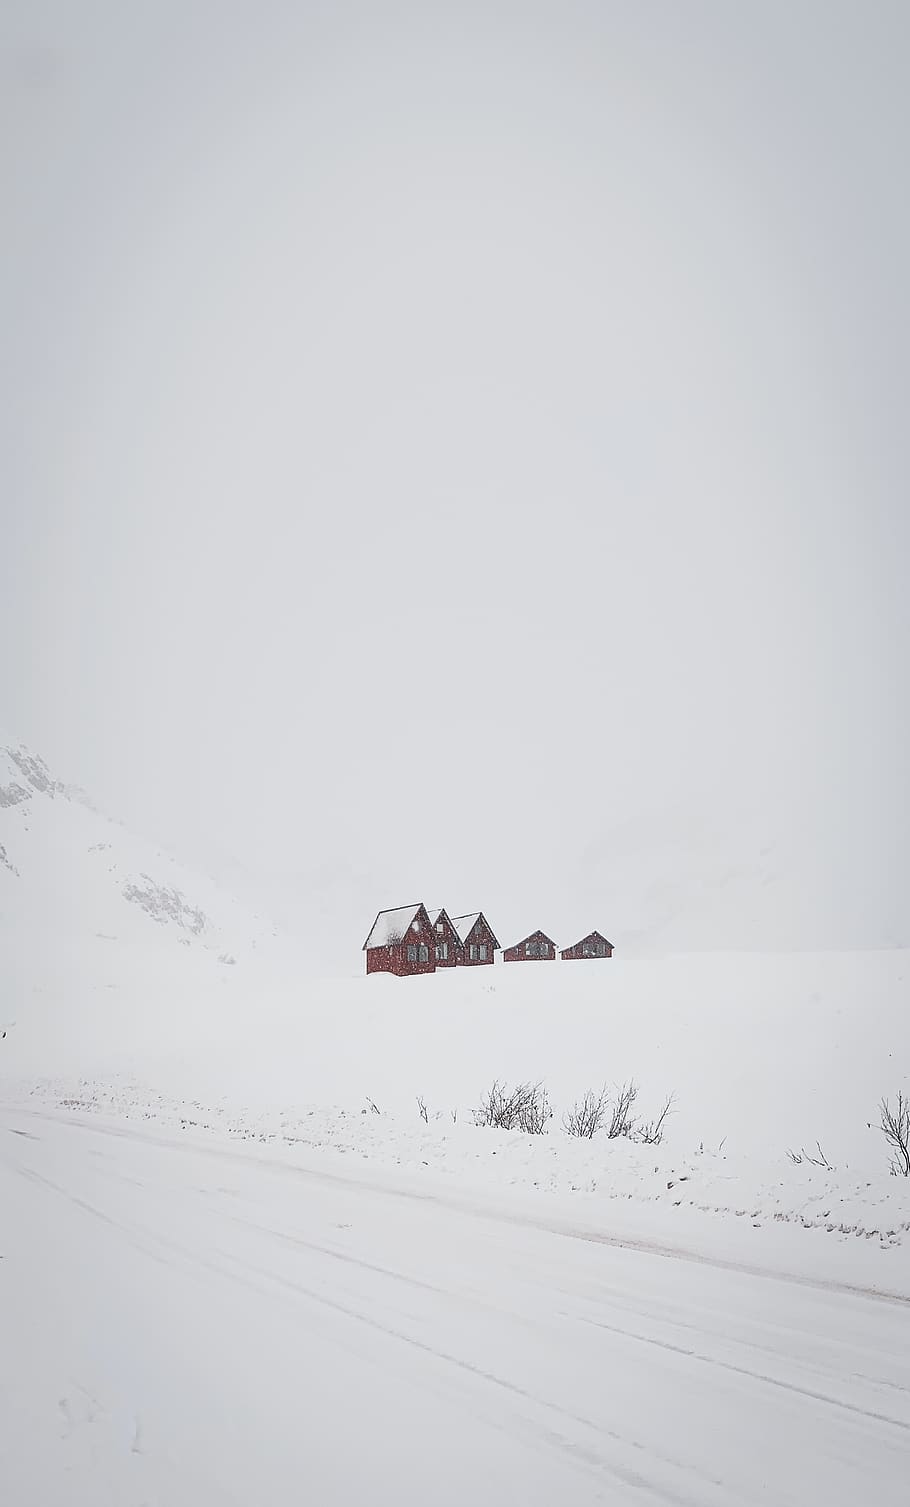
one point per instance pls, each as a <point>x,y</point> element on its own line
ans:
<point>798,1157</point>
<point>496,1108</point>
<point>422,1109</point>
<point>587,1116</point>
<point>622,1120</point>
<point>651,1132</point>
<point>525,1107</point>
<point>535,1112</point>
<point>895,1127</point>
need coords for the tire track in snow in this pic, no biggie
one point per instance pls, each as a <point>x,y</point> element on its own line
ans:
<point>759,1376</point>
<point>480,1206</point>
<point>626,1475</point>
<point>583,1452</point>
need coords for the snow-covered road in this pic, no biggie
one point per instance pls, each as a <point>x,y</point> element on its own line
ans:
<point>186,1326</point>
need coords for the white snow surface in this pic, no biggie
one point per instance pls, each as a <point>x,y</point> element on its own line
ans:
<point>228,1323</point>
<point>237,1264</point>
<point>464,925</point>
<point>391,925</point>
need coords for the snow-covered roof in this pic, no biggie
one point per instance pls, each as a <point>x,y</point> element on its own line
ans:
<point>390,926</point>
<point>532,935</point>
<point>464,925</point>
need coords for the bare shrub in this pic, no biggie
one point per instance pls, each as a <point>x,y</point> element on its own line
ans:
<point>496,1108</point>
<point>651,1132</point>
<point>535,1112</point>
<point>524,1107</point>
<point>422,1109</point>
<point>895,1127</point>
<point>798,1157</point>
<point>587,1116</point>
<point>622,1120</point>
<point>374,1108</point>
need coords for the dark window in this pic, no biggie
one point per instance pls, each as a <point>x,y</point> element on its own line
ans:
<point>440,926</point>
<point>532,949</point>
<point>442,952</point>
<point>423,953</point>
<point>412,952</point>
<point>601,949</point>
<point>472,952</point>
<point>483,952</point>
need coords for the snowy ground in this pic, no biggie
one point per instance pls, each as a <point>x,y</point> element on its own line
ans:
<point>228,1326</point>
<point>762,1053</point>
<point>709,1199</point>
<point>225,1279</point>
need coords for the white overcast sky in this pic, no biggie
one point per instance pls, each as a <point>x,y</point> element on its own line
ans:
<point>461,450</point>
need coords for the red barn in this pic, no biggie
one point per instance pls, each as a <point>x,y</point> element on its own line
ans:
<point>448,942</point>
<point>476,938</point>
<point>401,941</point>
<point>537,948</point>
<point>594,945</point>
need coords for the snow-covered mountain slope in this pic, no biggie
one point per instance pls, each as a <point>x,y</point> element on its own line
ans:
<point>74,882</point>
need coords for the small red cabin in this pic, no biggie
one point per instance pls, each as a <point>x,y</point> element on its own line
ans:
<point>476,938</point>
<point>537,948</point>
<point>401,941</point>
<point>447,944</point>
<point>594,945</point>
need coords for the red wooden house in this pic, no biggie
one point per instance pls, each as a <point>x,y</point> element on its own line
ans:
<point>447,941</point>
<point>594,945</point>
<point>537,948</point>
<point>476,938</point>
<point>401,941</point>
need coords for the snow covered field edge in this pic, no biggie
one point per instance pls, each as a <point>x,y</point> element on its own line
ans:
<point>801,1221</point>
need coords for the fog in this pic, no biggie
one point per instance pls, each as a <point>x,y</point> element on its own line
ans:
<point>461,453</point>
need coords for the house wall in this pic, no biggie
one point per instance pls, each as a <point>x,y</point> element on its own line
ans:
<point>379,960</point>
<point>480,933</point>
<point>572,954</point>
<point>517,954</point>
<point>450,936</point>
<point>425,936</point>
<point>394,959</point>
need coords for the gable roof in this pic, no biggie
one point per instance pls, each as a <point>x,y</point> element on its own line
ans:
<point>440,915</point>
<point>464,925</point>
<point>592,936</point>
<point>391,925</point>
<point>531,936</point>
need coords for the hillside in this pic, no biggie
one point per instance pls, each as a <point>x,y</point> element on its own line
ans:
<point>78,891</point>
